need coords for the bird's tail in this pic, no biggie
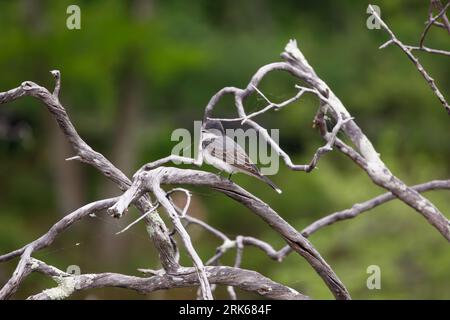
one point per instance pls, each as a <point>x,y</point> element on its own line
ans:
<point>270,183</point>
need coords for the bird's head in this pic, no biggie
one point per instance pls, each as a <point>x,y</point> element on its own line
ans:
<point>214,125</point>
<point>211,130</point>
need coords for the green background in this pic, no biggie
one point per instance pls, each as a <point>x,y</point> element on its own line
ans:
<point>137,70</point>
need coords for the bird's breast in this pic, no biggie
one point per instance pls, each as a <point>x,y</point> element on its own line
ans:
<point>217,163</point>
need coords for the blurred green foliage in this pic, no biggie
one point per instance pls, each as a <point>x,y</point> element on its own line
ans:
<point>181,53</point>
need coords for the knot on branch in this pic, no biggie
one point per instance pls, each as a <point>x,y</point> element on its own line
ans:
<point>29,86</point>
<point>142,182</point>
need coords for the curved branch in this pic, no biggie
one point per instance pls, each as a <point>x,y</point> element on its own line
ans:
<point>60,226</point>
<point>431,21</point>
<point>362,207</point>
<point>407,51</point>
<point>160,234</point>
<point>359,208</point>
<point>330,219</point>
<point>145,180</point>
<point>44,241</point>
<point>161,197</point>
<point>246,280</point>
<point>367,157</point>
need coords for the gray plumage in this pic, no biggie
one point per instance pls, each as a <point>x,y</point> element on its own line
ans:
<point>226,155</point>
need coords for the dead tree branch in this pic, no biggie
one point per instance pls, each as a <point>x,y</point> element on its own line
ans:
<point>429,50</point>
<point>365,154</point>
<point>145,181</point>
<point>84,153</point>
<point>431,20</point>
<point>368,205</point>
<point>44,241</point>
<point>407,50</point>
<point>151,177</point>
<point>362,207</point>
<point>246,280</point>
<point>346,214</point>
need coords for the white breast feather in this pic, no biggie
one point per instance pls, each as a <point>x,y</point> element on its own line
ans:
<point>217,163</point>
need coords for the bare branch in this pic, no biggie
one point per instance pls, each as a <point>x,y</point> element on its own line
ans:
<point>20,273</point>
<point>359,208</point>
<point>446,23</point>
<point>44,241</point>
<point>429,50</point>
<point>237,264</point>
<point>250,281</point>
<point>264,246</point>
<point>161,198</point>
<point>270,106</point>
<point>188,195</point>
<point>369,159</point>
<point>207,227</point>
<point>142,217</point>
<point>346,214</point>
<point>152,176</point>
<point>416,62</point>
<point>172,158</point>
<point>365,156</point>
<point>57,75</point>
<point>136,191</point>
<point>433,19</point>
<point>159,234</point>
<point>362,207</point>
<point>149,181</point>
<point>47,239</point>
<point>330,219</point>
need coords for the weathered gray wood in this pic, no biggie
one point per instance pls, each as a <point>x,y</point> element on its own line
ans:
<point>247,280</point>
<point>151,176</point>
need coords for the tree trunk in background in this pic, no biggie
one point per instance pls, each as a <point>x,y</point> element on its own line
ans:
<point>248,15</point>
<point>130,99</point>
<point>32,15</point>
<point>67,178</point>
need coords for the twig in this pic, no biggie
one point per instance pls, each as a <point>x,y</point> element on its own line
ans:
<point>359,208</point>
<point>188,195</point>
<point>144,216</point>
<point>271,105</point>
<point>408,53</point>
<point>431,21</point>
<point>429,50</point>
<point>47,239</point>
<point>446,23</point>
<point>237,264</point>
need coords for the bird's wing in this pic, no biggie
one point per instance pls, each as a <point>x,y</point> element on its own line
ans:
<point>232,153</point>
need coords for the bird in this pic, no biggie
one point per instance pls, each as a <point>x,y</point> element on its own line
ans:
<point>225,154</point>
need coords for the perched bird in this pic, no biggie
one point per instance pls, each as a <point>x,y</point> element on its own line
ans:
<point>226,155</point>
